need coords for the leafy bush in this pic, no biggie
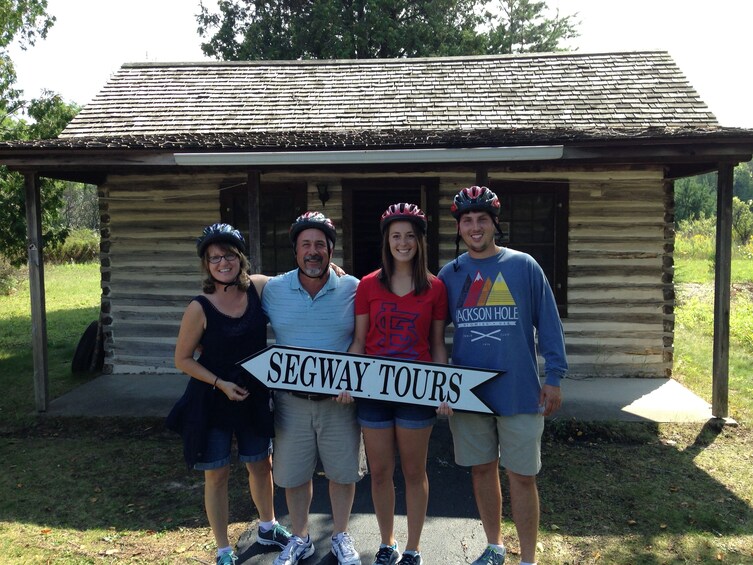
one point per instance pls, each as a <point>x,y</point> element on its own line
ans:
<point>746,251</point>
<point>742,220</point>
<point>9,277</point>
<point>81,246</point>
<point>696,239</point>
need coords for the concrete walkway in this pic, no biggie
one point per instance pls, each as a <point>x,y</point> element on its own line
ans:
<point>452,533</point>
<point>589,399</point>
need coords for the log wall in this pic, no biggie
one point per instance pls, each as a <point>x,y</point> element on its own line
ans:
<point>620,239</point>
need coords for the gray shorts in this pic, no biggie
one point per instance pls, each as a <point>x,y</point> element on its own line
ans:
<point>307,430</point>
<point>516,440</point>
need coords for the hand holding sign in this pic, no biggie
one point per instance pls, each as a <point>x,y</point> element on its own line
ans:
<point>364,376</point>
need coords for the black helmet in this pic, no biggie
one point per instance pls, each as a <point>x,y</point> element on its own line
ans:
<point>475,199</point>
<point>219,233</point>
<point>315,220</point>
<point>405,212</point>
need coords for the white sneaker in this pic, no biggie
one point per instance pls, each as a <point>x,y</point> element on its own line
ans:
<point>296,550</point>
<point>344,550</point>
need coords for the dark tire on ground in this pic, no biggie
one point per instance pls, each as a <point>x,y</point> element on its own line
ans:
<point>85,350</point>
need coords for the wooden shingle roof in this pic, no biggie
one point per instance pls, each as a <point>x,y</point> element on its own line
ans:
<point>454,101</point>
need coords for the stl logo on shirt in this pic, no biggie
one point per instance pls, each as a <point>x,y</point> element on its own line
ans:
<point>397,330</point>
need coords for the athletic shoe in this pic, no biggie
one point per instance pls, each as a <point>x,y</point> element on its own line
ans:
<point>296,550</point>
<point>491,556</point>
<point>343,549</point>
<point>410,559</point>
<point>387,555</point>
<point>228,558</point>
<point>276,535</point>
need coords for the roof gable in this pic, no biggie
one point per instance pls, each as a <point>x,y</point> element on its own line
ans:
<point>565,92</point>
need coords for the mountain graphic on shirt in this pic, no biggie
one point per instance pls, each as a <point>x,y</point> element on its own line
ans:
<point>482,292</point>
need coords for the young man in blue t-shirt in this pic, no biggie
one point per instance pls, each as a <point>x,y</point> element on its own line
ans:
<point>502,307</point>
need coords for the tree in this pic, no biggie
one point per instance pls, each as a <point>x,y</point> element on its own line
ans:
<point>22,22</point>
<point>50,114</point>
<point>368,29</point>
<point>743,181</point>
<point>742,220</point>
<point>520,26</point>
<point>695,197</point>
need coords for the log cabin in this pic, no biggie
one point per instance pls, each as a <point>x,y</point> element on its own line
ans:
<point>583,150</point>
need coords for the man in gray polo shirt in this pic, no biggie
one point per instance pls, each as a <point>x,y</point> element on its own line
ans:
<point>312,307</point>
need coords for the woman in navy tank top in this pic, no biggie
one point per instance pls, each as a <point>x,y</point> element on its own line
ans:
<point>224,325</point>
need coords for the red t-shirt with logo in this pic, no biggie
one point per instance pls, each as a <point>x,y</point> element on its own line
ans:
<point>399,326</point>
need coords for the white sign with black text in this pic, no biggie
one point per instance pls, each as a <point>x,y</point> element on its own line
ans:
<point>313,371</point>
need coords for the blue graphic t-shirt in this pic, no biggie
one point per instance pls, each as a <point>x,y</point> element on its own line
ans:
<point>498,306</point>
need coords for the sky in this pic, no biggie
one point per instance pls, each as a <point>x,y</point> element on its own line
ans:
<point>92,38</point>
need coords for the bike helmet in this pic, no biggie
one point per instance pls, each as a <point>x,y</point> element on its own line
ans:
<point>315,220</point>
<point>405,212</point>
<point>219,233</point>
<point>475,199</point>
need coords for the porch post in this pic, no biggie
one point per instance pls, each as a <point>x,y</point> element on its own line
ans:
<point>722,278</point>
<point>36,287</point>
<point>254,230</point>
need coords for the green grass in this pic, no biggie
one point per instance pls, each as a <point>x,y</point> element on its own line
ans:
<point>79,491</point>
<point>72,295</point>
<point>702,271</point>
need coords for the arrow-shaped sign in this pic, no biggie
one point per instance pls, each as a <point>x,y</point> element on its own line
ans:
<point>313,371</point>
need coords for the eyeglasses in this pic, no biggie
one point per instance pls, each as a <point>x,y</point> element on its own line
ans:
<point>214,259</point>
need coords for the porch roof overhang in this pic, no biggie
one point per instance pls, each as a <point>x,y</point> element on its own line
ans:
<point>683,153</point>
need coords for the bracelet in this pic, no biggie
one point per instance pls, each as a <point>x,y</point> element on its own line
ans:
<point>214,386</point>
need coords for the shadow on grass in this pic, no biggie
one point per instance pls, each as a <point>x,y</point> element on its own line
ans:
<point>599,480</point>
<point>624,480</point>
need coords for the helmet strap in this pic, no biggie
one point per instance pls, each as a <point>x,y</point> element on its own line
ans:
<point>234,282</point>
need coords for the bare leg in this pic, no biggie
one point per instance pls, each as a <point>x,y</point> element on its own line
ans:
<point>524,502</point>
<point>299,502</point>
<point>380,450</point>
<point>341,498</point>
<point>261,487</point>
<point>488,493</point>
<point>216,503</point>
<point>413,446</point>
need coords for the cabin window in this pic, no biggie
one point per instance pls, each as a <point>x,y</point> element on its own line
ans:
<point>534,220</point>
<point>279,205</point>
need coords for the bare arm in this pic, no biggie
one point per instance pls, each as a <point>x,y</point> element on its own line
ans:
<point>359,335</point>
<point>259,282</point>
<point>357,346</point>
<point>436,342</point>
<point>439,355</point>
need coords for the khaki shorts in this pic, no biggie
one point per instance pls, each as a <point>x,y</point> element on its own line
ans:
<point>515,440</point>
<point>307,430</point>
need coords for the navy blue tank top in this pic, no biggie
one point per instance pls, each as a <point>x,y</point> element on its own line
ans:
<point>228,340</point>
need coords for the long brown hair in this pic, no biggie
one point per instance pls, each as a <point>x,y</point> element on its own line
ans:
<point>421,275</point>
<point>244,279</point>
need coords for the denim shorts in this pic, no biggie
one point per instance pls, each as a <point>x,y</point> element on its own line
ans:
<point>251,448</point>
<point>379,414</point>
